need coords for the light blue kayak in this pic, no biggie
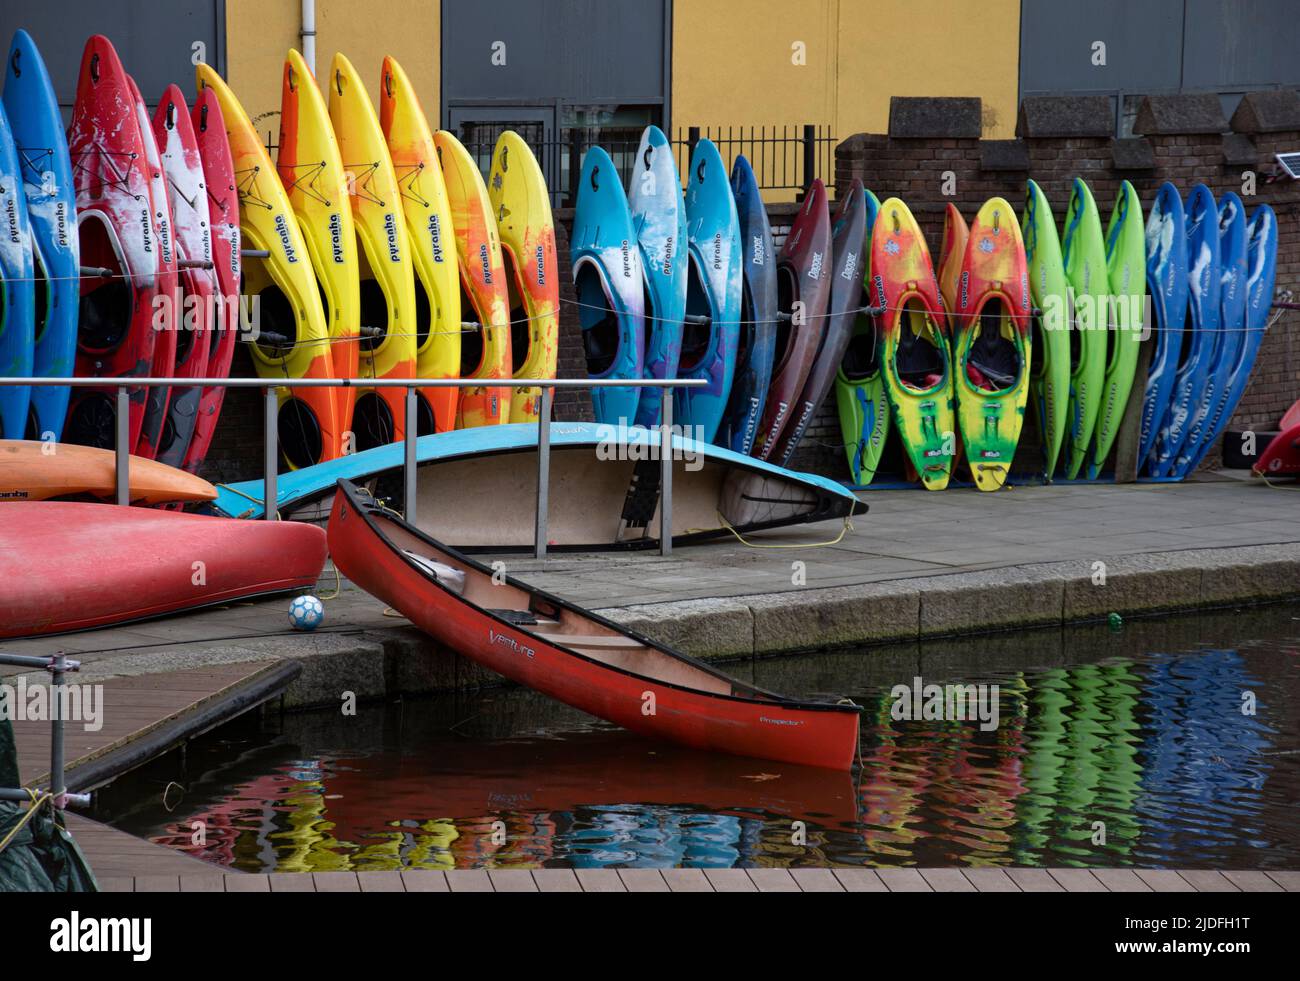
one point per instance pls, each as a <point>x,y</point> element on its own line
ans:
<point>17,289</point>
<point>609,283</point>
<point>1261,272</point>
<point>654,197</point>
<point>1201,332</point>
<point>1167,281</point>
<point>477,488</point>
<point>1231,334</point>
<point>42,149</point>
<point>712,329</point>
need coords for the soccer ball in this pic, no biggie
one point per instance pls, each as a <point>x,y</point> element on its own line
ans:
<point>306,613</point>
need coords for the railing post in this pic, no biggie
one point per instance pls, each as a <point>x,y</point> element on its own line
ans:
<point>575,164</point>
<point>122,451</point>
<point>809,155</point>
<point>57,666</point>
<point>543,473</point>
<point>408,457</point>
<point>692,138</point>
<point>666,473</point>
<point>271,463</point>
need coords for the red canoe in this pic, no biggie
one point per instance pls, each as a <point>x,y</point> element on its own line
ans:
<point>67,566</point>
<point>1281,458</point>
<point>573,655</point>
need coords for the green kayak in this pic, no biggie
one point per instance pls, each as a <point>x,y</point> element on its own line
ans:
<point>859,385</point>
<point>1084,252</point>
<point>1050,378</point>
<point>1126,267</point>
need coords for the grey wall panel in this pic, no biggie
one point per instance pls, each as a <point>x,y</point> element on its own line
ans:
<point>1246,43</point>
<point>153,38</point>
<point>1143,45</point>
<point>573,50</point>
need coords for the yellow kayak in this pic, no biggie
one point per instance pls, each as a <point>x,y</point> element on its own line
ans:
<point>388,312</point>
<point>311,171</point>
<point>485,352</point>
<point>431,240</point>
<point>522,207</point>
<point>292,339</point>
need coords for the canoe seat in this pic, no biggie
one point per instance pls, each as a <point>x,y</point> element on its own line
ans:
<point>589,640</point>
<point>452,578</point>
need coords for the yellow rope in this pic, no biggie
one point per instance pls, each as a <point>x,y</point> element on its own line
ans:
<point>848,527</point>
<point>31,813</point>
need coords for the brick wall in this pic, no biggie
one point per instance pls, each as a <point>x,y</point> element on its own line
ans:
<point>1184,139</point>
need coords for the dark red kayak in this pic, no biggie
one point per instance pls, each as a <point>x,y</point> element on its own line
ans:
<point>848,264</point>
<point>69,566</point>
<point>573,655</point>
<point>1281,458</point>
<point>803,271</point>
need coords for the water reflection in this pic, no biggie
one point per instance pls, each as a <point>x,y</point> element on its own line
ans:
<point>1105,755</point>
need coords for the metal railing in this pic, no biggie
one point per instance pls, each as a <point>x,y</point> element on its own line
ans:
<point>57,665</point>
<point>122,429</point>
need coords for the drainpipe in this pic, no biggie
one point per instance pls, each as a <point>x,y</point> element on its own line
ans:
<point>308,34</point>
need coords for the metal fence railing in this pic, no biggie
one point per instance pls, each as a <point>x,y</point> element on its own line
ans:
<point>271,459</point>
<point>57,795</point>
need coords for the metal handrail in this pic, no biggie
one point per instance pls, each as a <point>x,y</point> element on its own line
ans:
<point>57,664</point>
<point>271,429</point>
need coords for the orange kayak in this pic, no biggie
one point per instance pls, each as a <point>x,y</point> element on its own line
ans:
<point>33,470</point>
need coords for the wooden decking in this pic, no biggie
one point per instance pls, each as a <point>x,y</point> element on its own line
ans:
<point>715,880</point>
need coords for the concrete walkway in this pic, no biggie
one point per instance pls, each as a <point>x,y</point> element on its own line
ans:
<point>919,564</point>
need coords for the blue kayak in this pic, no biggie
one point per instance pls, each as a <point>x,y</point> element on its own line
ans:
<point>477,488</point>
<point>1227,349</point>
<point>17,289</point>
<point>1167,281</point>
<point>1200,332</point>
<point>608,281</point>
<point>712,328</point>
<point>42,149</point>
<point>758,314</point>
<point>654,198</point>
<point>1261,271</point>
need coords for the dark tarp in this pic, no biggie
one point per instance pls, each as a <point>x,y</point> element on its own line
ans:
<point>42,857</point>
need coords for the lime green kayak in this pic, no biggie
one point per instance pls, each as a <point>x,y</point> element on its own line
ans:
<point>1050,377</point>
<point>1126,267</point>
<point>859,384</point>
<point>1084,252</point>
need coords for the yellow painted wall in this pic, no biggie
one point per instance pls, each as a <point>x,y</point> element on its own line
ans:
<point>260,32</point>
<point>735,62</point>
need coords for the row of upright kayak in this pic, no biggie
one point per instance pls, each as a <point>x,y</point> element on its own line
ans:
<point>947,355</point>
<point>370,249</point>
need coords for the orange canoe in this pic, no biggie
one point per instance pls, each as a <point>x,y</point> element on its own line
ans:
<point>31,470</point>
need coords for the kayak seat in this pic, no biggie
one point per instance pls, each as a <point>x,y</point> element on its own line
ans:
<point>452,578</point>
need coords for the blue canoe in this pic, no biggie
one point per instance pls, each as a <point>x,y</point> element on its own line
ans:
<point>712,327</point>
<point>654,198</point>
<point>478,487</point>
<point>1231,334</point>
<point>1200,333</point>
<point>1167,281</point>
<point>18,289</point>
<point>610,287</point>
<point>1261,271</point>
<point>42,149</point>
<point>756,346</point>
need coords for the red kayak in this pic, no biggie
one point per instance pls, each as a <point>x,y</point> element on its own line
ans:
<point>1281,458</point>
<point>115,335</point>
<point>803,276</point>
<point>69,566</point>
<point>223,208</point>
<point>573,655</point>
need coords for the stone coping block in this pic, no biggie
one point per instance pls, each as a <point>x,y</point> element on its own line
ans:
<point>1272,111</point>
<point>913,117</point>
<point>1134,153</point>
<point>1239,150</point>
<point>1181,114</point>
<point>969,602</point>
<point>835,615</point>
<point>1131,584</point>
<point>704,628</point>
<point>1066,115</point>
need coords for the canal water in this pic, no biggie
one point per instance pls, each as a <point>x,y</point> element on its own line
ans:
<point>1170,742</point>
